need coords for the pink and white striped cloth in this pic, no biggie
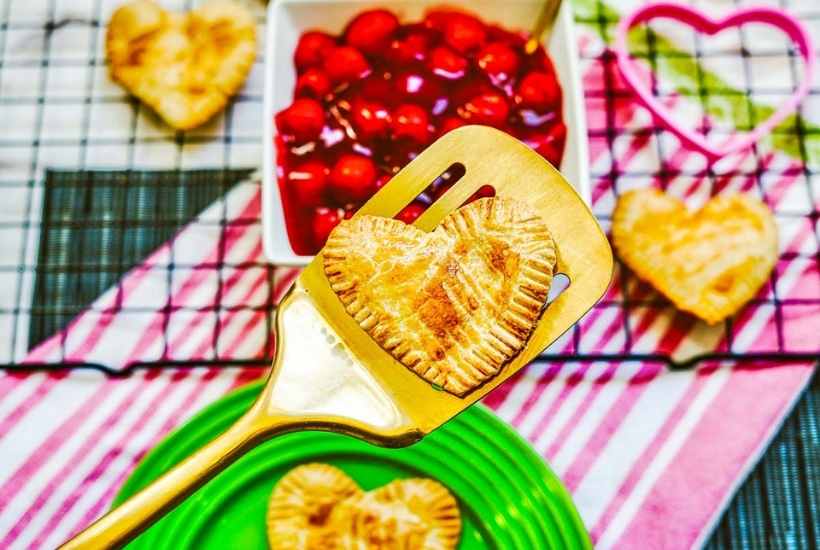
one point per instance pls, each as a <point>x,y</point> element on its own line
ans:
<point>650,457</point>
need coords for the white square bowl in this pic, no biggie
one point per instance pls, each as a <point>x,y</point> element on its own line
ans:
<point>287,19</point>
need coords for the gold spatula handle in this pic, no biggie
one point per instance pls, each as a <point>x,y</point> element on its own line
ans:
<point>124,523</point>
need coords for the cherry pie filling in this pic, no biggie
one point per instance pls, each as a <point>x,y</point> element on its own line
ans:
<point>368,101</point>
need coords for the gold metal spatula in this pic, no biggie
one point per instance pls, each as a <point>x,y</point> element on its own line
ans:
<point>328,373</point>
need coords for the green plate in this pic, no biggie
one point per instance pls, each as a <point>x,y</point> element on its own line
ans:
<point>508,497</point>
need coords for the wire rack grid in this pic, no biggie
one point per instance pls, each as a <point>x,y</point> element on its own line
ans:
<point>88,172</point>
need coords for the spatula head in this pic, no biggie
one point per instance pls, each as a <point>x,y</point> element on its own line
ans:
<point>515,171</point>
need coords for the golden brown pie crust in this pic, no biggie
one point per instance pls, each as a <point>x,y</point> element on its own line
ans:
<point>301,504</point>
<point>709,262</point>
<point>454,305</point>
<point>184,66</point>
<point>404,514</point>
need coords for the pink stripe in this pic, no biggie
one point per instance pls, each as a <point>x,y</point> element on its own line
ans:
<point>281,286</point>
<point>129,284</point>
<point>232,234</point>
<point>639,468</point>
<point>121,446</point>
<point>790,174</point>
<point>549,374</point>
<point>579,413</point>
<point>207,342</point>
<point>573,381</point>
<point>187,403</point>
<point>180,339</point>
<point>62,433</point>
<point>16,414</point>
<point>102,467</point>
<point>226,321</point>
<point>716,435</point>
<point>88,446</point>
<point>109,304</point>
<point>618,412</point>
<point>677,332</point>
<point>58,437</point>
<point>10,379</point>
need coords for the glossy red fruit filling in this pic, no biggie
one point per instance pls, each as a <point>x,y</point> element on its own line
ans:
<point>323,221</point>
<point>412,48</point>
<point>411,212</point>
<point>370,119</point>
<point>489,108</point>
<point>345,63</point>
<point>411,121</point>
<point>446,63</point>
<point>312,83</point>
<point>371,31</point>
<point>312,48</point>
<point>308,183</point>
<point>464,33</point>
<point>370,100</point>
<point>498,60</point>
<point>302,121</point>
<point>538,90</point>
<point>353,178</point>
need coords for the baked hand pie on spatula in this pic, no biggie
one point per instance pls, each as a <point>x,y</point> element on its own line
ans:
<point>454,304</point>
<point>465,307</point>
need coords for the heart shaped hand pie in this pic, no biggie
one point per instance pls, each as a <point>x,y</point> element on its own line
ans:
<point>454,305</point>
<point>183,66</point>
<point>318,507</point>
<point>301,503</point>
<point>709,262</point>
<point>406,513</point>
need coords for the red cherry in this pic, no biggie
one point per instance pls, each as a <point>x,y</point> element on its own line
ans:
<point>312,49</point>
<point>350,209</point>
<point>382,181</point>
<point>488,108</point>
<point>498,60</point>
<point>438,19</point>
<point>353,178</point>
<point>302,121</point>
<point>409,49</point>
<point>370,119</point>
<point>345,63</point>
<point>411,121</point>
<point>324,220</point>
<point>312,83</point>
<point>377,88</point>
<point>464,33</point>
<point>549,144</point>
<point>539,91</point>
<point>411,212</point>
<point>451,123</point>
<point>370,31</point>
<point>307,182</point>
<point>418,88</point>
<point>446,63</point>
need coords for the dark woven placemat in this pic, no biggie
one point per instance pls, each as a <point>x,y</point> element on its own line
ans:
<point>778,506</point>
<point>98,224</point>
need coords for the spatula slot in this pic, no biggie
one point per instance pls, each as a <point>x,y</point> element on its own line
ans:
<point>560,282</point>
<point>452,174</point>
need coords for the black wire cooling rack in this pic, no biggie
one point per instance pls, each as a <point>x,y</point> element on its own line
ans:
<point>71,229</point>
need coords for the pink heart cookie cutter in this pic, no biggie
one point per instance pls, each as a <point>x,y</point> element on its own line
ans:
<point>702,23</point>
